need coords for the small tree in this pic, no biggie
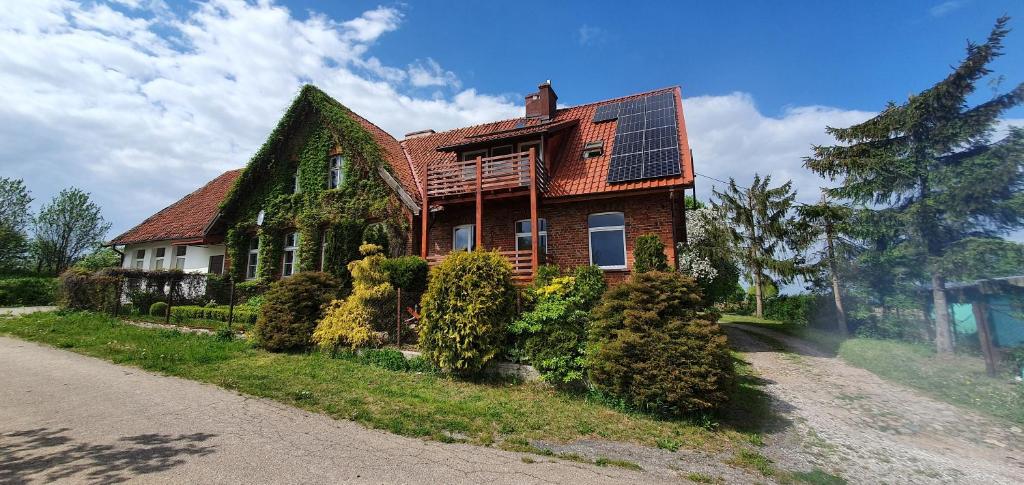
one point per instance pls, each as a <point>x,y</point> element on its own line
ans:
<point>825,221</point>
<point>14,220</point>
<point>762,230</point>
<point>469,303</point>
<point>707,255</point>
<point>65,228</point>
<point>649,254</point>
<point>358,320</point>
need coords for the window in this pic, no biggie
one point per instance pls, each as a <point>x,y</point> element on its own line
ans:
<point>158,259</point>
<point>501,167</point>
<point>524,176</point>
<point>216,264</point>
<point>291,261</point>
<point>607,240</point>
<point>140,258</point>
<point>296,188</point>
<point>254,258</point>
<point>337,175</point>
<point>179,257</point>
<point>593,149</point>
<point>463,237</point>
<point>523,235</point>
<point>469,170</point>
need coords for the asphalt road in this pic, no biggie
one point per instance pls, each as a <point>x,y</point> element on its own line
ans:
<point>71,418</point>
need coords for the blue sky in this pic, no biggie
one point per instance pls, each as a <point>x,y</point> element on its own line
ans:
<point>141,101</point>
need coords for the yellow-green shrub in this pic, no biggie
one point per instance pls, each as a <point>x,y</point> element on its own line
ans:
<point>357,320</point>
<point>469,302</point>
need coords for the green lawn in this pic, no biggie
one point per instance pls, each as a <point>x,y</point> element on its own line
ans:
<point>237,326</point>
<point>405,403</point>
<point>957,379</point>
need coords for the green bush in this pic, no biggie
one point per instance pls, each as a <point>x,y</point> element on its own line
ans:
<point>652,346</point>
<point>407,272</point>
<point>80,289</point>
<point>28,291</point>
<point>468,304</point>
<point>649,254</point>
<point>794,309</point>
<point>553,334</point>
<point>360,319</point>
<point>291,309</point>
<point>217,313</point>
<point>211,304</point>
<point>158,309</point>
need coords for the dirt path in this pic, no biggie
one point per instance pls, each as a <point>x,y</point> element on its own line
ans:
<point>851,422</point>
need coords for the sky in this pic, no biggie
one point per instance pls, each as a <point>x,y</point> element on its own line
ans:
<point>141,101</point>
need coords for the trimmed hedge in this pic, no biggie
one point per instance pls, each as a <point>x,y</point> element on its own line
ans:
<point>219,313</point>
<point>26,291</point>
<point>407,272</point>
<point>158,309</point>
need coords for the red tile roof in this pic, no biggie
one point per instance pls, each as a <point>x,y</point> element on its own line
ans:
<point>401,166</point>
<point>186,219</point>
<point>572,175</point>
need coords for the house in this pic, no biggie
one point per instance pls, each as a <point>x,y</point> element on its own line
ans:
<point>567,186</point>
<point>179,237</point>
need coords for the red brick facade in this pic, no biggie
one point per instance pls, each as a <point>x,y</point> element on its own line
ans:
<point>568,235</point>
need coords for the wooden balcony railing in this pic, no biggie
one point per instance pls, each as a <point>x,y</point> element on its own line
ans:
<point>522,263</point>
<point>500,173</point>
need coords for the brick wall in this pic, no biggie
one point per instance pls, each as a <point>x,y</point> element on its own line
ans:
<point>568,238</point>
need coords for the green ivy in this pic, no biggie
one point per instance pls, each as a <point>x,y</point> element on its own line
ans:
<point>302,143</point>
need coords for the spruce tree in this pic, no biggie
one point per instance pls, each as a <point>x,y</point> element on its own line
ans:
<point>931,162</point>
<point>762,230</point>
<point>825,222</point>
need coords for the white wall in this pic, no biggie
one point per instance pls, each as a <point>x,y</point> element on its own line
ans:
<point>197,258</point>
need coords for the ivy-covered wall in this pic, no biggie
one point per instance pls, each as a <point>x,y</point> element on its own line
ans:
<point>313,129</point>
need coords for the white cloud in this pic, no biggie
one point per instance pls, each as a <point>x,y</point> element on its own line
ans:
<point>425,73</point>
<point>590,35</point>
<point>946,7</point>
<point>139,106</point>
<point>730,137</point>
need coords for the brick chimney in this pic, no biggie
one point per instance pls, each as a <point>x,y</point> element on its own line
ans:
<point>542,103</point>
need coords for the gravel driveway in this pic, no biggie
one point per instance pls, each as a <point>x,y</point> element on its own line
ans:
<point>868,430</point>
<point>71,418</point>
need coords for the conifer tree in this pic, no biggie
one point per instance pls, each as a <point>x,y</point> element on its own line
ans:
<point>931,162</point>
<point>825,221</point>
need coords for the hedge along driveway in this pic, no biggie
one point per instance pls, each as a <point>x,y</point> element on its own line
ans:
<point>405,403</point>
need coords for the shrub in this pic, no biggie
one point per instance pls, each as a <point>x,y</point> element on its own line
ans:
<point>553,333</point>
<point>794,309</point>
<point>80,289</point>
<point>211,304</point>
<point>357,321</point>
<point>158,309</point>
<point>25,291</point>
<point>649,254</point>
<point>218,313</point>
<point>407,272</point>
<point>546,273</point>
<point>291,309</point>
<point>390,359</point>
<point>652,346</point>
<point>469,302</point>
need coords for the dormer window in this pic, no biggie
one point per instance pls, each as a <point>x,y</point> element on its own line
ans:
<point>593,149</point>
<point>337,174</point>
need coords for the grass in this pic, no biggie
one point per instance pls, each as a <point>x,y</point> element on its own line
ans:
<point>406,403</point>
<point>956,379</point>
<point>236,326</point>
<point>699,477</point>
<point>753,460</point>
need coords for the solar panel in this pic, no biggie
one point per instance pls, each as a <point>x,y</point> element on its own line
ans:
<point>607,112</point>
<point>646,139</point>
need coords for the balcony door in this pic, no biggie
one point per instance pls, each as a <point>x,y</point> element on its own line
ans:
<point>524,174</point>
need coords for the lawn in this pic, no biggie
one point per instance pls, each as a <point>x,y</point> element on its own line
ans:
<point>958,379</point>
<point>412,404</point>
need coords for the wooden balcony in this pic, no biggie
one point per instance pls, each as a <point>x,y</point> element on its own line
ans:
<point>522,263</point>
<point>503,173</point>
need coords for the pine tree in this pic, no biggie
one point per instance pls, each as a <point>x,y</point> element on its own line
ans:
<point>761,231</point>
<point>932,163</point>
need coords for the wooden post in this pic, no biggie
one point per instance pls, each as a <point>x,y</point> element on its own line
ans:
<point>425,214</point>
<point>398,318</point>
<point>170,301</point>
<point>534,237</point>
<point>980,308</point>
<point>479,206</point>
<point>231,300</point>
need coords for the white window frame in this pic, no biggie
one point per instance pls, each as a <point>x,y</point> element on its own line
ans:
<point>590,241</point>
<point>472,237</point>
<point>179,259</point>
<point>158,259</point>
<point>140,258</point>
<point>294,250</point>
<point>296,189</point>
<point>541,235</point>
<point>336,175</point>
<point>468,174</point>
<point>506,166</point>
<point>252,259</point>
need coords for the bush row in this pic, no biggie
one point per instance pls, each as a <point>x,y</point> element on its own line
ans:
<point>28,290</point>
<point>218,313</point>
